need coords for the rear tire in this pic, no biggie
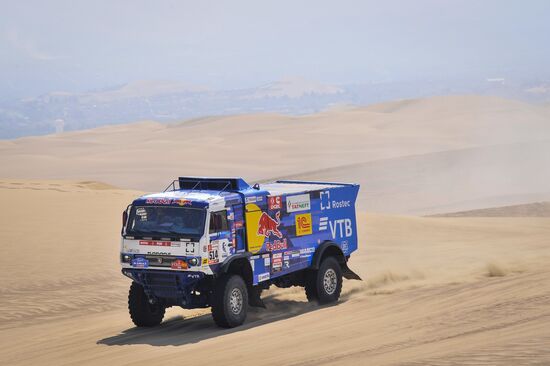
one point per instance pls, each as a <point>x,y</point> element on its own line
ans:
<point>230,301</point>
<point>311,285</point>
<point>325,284</point>
<point>143,313</point>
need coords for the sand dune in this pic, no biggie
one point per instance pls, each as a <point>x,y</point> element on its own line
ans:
<point>399,151</point>
<point>446,181</point>
<point>537,209</point>
<point>450,291</point>
<point>437,291</point>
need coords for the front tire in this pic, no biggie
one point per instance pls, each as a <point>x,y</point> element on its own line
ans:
<point>325,284</point>
<point>230,301</point>
<point>143,313</point>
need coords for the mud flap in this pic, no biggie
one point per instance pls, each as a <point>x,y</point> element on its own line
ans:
<point>254,298</point>
<point>349,274</point>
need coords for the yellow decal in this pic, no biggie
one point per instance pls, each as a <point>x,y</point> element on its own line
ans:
<point>303,224</point>
<point>205,261</point>
<point>254,239</point>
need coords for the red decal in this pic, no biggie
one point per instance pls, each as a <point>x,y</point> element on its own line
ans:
<point>274,202</point>
<point>277,245</point>
<point>155,243</point>
<point>183,202</point>
<point>158,201</point>
<point>178,264</point>
<point>267,225</point>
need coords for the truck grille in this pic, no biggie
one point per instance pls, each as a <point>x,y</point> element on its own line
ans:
<point>160,260</point>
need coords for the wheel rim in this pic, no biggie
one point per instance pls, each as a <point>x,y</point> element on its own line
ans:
<point>330,281</point>
<point>236,301</point>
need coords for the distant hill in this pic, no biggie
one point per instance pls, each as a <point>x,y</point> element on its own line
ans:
<point>294,88</point>
<point>169,101</point>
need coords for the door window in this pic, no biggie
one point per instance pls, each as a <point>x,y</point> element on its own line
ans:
<point>218,222</point>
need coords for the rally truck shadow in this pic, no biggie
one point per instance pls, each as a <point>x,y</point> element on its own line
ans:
<point>178,331</point>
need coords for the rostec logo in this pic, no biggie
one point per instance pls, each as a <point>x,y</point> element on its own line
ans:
<point>342,227</point>
<point>341,204</point>
<point>325,200</point>
<point>274,202</point>
<point>303,224</point>
<point>269,226</point>
<point>327,204</point>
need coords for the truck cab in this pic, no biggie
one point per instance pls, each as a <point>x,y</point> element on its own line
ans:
<point>218,242</point>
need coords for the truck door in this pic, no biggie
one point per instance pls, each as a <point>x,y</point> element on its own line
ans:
<point>220,239</point>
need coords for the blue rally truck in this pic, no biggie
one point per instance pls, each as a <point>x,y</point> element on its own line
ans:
<point>218,242</point>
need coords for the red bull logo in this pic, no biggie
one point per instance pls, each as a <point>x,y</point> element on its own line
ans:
<point>269,226</point>
<point>184,202</point>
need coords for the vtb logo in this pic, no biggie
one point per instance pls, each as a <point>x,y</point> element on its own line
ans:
<point>303,224</point>
<point>341,228</point>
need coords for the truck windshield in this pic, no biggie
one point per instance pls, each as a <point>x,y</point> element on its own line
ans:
<point>162,220</point>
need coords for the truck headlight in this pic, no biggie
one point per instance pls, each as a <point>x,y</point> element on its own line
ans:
<point>126,258</point>
<point>193,261</point>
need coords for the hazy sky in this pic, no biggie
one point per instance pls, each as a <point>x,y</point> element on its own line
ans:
<point>82,45</point>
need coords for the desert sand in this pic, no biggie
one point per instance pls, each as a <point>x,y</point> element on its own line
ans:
<point>535,209</point>
<point>421,157</point>
<point>436,290</point>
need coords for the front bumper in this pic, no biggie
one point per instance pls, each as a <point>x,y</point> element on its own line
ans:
<point>188,289</point>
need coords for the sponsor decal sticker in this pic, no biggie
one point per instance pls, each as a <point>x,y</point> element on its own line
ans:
<point>277,262</point>
<point>263,277</point>
<point>205,261</point>
<point>274,202</point>
<point>168,201</point>
<point>276,245</point>
<point>341,228</point>
<point>327,204</point>
<point>157,243</point>
<point>140,262</point>
<point>254,240</point>
<point>323,222</point>
<point>183,202</point>
<point>213,256</point>
<point>179,264</point>
<point>341,204</point>
<point>299,202</point>
<point>303,224</point>
<point>250,199</point>
<point>190,248</point>
<point>306,252</point>
<point>325,200</point>
<point>269,226</point>
<point>345,246</point>
<point>158,201</point>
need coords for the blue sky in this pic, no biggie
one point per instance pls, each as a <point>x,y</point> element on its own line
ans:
<point>83,45</point>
